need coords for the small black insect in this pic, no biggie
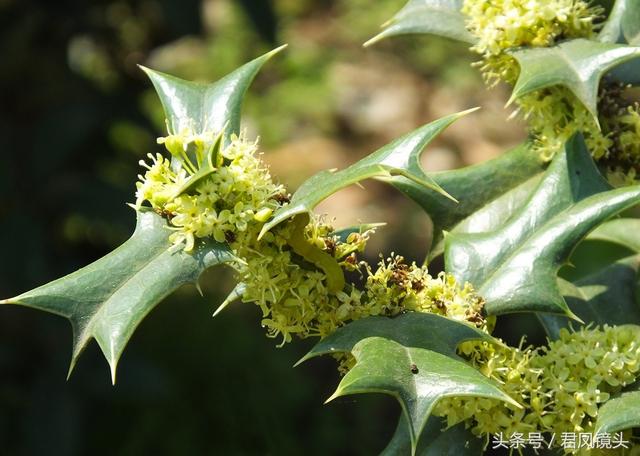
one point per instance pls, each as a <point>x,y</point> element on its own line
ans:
<point>165,213</point>
<point>414,369</point>
<point>352,259</point>
<point>282,198</point>
<point>440,304</point>
<point>330,246</point>
<point>230,236</point>
<point>417,285</point>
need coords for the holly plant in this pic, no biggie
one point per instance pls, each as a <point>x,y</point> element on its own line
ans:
<point>505,229</point>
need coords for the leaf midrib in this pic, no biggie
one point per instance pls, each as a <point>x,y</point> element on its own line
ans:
<point>541,229</point>
<point>87,328</point>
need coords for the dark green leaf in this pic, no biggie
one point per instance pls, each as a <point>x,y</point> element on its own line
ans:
<point>495,213</point>
<point>576,64</point>
<point>470,185</point>
<point>417,377</point>
<point>413,329</point>
<point>411,357</point>
<point>609,295</point>
<point>606,297</point>
<point>514,267</point>
<point>108,299</point>
<point>401,157</point>
<point>206,107</point>
<point>434,17</point>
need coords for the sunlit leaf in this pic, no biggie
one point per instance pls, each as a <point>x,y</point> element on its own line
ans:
<point>434,17</point>
<point>206,107</point>
<point>400,158</point>
<point>108,299</point>
<point>514,267</point>
<point>412,358</point>
<point>480,206</point>
<point>576,64</point>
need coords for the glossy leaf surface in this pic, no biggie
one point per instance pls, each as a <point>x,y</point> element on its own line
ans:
<point>401,157</point>
<point>108,299</point>
<point>608,297</point>
<point>434,17</point>
<point>411,357</point>
<point>576,64</point>
<point>469,186</point>
<point>514,267</point>
<point>206,107</point>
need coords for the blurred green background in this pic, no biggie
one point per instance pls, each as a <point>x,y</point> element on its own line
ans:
<point>76,115</point>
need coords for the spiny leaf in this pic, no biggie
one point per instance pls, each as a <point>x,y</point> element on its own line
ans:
<point>413,329</point>
<point>609,295</point>
<point>620,413</point>
<point>401,157</point>
<point>206,107</point>
<point>411,357</point>
<point>480,205</point>
<point>493,215</point>
<point>576,64</point>
<point>233,296</point>
<point>435,440</point>
<point>605,297</point>
<point>417,377</point>
<point>623,23</point>
<point>108,299</point>
<point>514,267</point>
<point>434,17</point>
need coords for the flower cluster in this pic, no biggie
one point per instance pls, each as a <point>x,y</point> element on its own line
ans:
<point>395,287</point>
<point>296,301</point>
<point>555,113</point>
<point>620,124</point>
<point>236,191</point>
<point>559,386</point>
<point>295,275</point>
<point>225,192</point>
<point>506,24</point>
<point>292,292</point>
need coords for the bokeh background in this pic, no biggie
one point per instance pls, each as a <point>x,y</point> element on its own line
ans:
<point>76,115</point>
